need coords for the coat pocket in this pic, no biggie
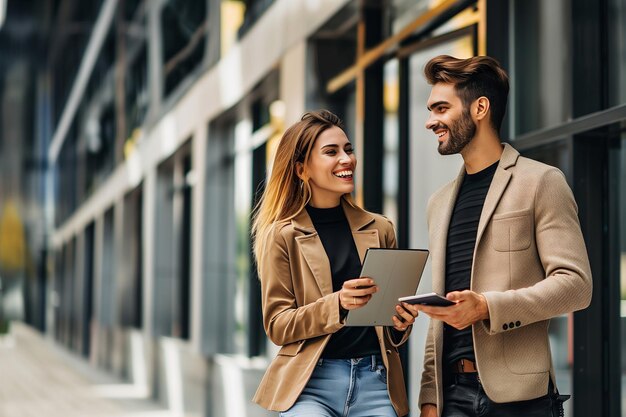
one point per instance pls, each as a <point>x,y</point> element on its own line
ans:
<point>292,349</point>
<point>512,231</point>
<point>527,349</point>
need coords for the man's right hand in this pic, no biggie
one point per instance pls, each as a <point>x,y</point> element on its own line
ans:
<point>429,410</point>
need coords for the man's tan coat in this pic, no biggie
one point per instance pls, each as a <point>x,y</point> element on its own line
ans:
<point>531,264</point>
<point>300,310</point>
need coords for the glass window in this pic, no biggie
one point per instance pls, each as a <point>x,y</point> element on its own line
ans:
<point>391,96</point>
<point>172,247</point>
<point>220,275</point>
<point>183,26</point>
<point>136,91</point>
<point>617,52</point>
<point>243,200</point>
<point>238,16</point>
<point>622,262</point>
<point>231,299</point>
<point>88,288</point>
<point>131,285</point>
<point>540,63</point>
<point>107,284</point>
<point>404,12</point>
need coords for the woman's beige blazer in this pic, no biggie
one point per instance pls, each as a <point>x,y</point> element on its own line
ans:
<point>530,263</point>
<point>300,310</point>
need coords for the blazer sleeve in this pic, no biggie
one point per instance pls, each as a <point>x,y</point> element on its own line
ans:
<point>284,321</point>
<point>561,249</point>
<point>428,390</point>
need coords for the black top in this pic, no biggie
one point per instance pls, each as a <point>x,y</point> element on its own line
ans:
<point>334,232</point>
<point>458,344</point>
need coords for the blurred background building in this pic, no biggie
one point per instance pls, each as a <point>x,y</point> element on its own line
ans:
<point>135,134</point>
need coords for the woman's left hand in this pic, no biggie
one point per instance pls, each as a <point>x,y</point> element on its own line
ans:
<point>405,317</point>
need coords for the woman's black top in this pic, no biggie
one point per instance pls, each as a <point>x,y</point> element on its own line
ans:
<point>334,232</point>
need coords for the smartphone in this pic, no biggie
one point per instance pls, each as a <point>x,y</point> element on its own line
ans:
<point>430,299</point>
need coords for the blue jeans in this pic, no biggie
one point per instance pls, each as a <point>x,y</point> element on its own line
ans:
<point>345,387</point>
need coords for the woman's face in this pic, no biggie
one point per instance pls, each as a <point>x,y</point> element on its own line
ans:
<point>331,168</point>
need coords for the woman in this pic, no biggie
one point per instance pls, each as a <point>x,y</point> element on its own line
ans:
<point>309,242</point>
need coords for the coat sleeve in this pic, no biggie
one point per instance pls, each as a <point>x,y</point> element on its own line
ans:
<point>428,390</point>
<point>567,284</point>
<point>284,321</point>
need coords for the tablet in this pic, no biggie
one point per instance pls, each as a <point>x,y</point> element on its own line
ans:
<point>430,299</point>
<point>396,272</point>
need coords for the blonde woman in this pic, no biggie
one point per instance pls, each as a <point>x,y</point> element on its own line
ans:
<point>309,242</point>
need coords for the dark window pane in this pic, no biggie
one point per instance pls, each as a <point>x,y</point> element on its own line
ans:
<point>183,24</point>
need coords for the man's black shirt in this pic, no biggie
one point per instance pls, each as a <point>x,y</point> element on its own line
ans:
<point>461,241</point>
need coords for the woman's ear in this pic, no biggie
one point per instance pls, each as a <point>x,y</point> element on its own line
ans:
<point>300,170</point>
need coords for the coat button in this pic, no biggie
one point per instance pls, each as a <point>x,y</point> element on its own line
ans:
<point>505,326</point>
<point>518,323</point>
<point>511,325</point>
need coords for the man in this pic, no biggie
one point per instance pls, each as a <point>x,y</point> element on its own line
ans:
<point>506,247</point>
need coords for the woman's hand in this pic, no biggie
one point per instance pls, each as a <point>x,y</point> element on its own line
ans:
<point>355,293</point>
<point>405,317</point>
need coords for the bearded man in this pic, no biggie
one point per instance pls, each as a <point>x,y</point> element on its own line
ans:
<point>506,247</point>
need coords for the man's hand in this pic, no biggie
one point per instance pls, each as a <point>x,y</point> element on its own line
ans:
<point>470,308</point>
<point>429,410</point>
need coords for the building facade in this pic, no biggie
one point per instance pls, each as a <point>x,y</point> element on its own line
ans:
<point>164,116</point>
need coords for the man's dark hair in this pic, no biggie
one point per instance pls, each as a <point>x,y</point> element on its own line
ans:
<point>473,78</point>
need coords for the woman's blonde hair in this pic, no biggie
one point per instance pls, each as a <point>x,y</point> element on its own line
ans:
<point>285,194</point>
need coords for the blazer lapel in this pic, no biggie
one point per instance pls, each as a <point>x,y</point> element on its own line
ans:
<point>439,225</point>
<point>313,252</point>
<point>499,183</point>
<point>359,220</point>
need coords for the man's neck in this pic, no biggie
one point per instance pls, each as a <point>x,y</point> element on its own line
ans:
<point>483,151</point>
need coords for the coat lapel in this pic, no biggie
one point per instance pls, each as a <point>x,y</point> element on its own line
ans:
<point>499,183</point>
<point>439,225</point>
<point>358,220</point>
<point>313,252</point>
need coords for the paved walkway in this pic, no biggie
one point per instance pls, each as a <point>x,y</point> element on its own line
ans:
<point>39,378</point>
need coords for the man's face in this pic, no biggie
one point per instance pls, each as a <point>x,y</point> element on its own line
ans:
<point>449,119</point>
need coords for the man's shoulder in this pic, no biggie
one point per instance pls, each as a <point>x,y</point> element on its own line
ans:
<point>443,190</point>
<point>532,170</point>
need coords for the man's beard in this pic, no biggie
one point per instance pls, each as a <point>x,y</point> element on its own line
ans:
<point>460,133</point>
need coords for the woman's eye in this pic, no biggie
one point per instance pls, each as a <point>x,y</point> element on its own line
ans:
<point>349,150</point>
<point>331,152</point>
